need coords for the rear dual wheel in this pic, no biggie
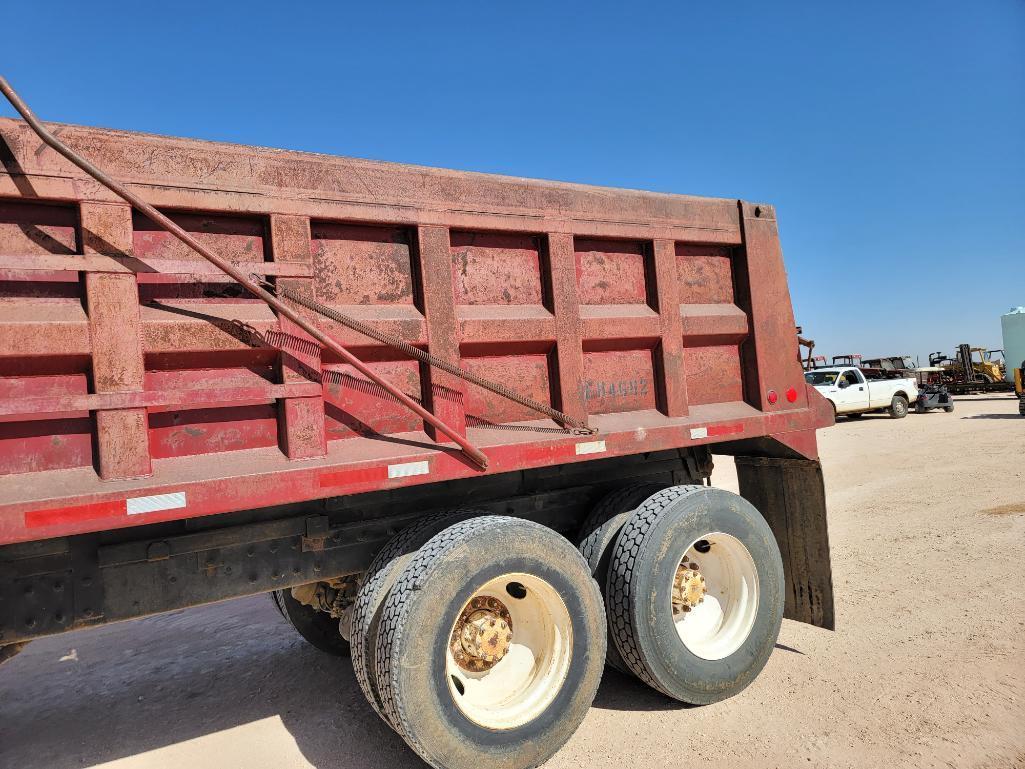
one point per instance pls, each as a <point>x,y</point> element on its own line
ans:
<point>490,642</point>
<point>694,593</point>
<point>479,636</point>
<point>597,541</point>
<point>384,570</point>
<point>316,627</point>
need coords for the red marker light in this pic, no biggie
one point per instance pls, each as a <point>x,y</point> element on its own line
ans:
<point>791,395</point>
<point>772,396</point>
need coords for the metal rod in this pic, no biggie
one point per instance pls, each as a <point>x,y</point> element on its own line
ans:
<point>424,357</point>
<point>472,452</point>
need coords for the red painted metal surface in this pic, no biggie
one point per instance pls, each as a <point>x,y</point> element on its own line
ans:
<point>138,385</point>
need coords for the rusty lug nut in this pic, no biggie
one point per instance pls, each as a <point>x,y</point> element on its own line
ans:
<point>508,636</point>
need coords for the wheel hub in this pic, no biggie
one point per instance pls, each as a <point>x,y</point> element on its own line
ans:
<point>482,635</point>
<point>688,587</point>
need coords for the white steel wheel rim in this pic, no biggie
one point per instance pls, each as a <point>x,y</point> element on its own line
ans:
<point>720,623</point>
<point>525,681</point>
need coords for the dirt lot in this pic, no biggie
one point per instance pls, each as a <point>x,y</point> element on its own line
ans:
<point>927,667</point>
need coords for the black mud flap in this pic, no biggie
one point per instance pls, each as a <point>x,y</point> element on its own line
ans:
<point>791,495</point>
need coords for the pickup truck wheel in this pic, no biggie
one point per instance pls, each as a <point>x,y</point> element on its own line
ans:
<point>377,582</point>
<point>316,627</point>
<point>695,593</point>
<point>598,536</point>
<point>899,407</point>
<point>490,645</point>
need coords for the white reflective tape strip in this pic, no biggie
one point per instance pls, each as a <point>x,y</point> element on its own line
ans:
<point>699,432</point>
<point>408,469</point>
<point>140,505</point>
<point>591,447</point>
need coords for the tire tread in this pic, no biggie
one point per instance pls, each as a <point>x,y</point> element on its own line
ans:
<point>621,586</point>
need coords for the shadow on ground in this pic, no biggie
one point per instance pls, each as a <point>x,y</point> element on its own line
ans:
<point>243,664</point>
<point>994,416</point>
<point>249,668</point>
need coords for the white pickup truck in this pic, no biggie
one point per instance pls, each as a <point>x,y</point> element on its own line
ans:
<point>853,394</point>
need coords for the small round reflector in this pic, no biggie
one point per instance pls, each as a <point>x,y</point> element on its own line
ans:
<point>772,396</point>
<point>791,395</point>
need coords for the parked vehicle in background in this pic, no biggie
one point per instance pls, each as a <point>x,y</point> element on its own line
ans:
<point>972,370</point>
<point>852,393</point>
<point>847,359</point>
<point>891,363</point>
<point>932,393</point>
<point>932,390</point>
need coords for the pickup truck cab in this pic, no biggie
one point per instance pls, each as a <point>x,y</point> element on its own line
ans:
<point>852,393</point>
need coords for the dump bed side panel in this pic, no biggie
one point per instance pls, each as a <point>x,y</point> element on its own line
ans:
<point>138,385</point>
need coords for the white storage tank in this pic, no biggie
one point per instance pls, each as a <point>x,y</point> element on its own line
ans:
<point>1013,326</point>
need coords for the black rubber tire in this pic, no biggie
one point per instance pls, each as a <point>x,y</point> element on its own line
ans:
<point>949,408</point>
<point>318,628</point>
<point>417,621</point>
<point>646,556</point>
<point>1021,407</point>
<point>377,581</point>
<point>919,408</point>
<point>598,536</point>
<point>857,415</point>
<point>898,407</point>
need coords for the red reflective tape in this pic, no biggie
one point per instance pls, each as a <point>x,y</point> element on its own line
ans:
<point>725,429</point>
<point>36,519</point>
<point>363,475</point>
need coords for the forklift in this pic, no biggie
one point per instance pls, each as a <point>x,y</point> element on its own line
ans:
<point>972,370</point>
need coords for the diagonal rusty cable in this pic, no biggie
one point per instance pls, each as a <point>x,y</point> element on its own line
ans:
<point>424,357</point>
<point>472,452</point>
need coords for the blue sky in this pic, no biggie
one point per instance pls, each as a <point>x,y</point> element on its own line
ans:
<point>889,135</point>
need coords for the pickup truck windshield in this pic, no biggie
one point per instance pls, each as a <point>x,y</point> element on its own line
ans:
<point>820,377</point>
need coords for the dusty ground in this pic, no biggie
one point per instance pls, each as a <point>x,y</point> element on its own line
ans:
<point>927,667</point>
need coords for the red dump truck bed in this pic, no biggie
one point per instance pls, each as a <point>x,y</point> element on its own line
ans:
<point>138,385</point>
<point>460,426</point>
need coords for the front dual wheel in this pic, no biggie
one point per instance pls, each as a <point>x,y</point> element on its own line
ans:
<point>491,642</point>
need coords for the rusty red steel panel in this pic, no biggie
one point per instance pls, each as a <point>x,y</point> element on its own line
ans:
<point>612,272</point>
<point>568,361</point>
<point>212,431</point>
<point>359,264</point>
<point>617,380</point>
<point>443,393</point>
<point>663,320</point>
<point>302,428</point>
<point>671,376</point>
<point>355,406</point>
<point>496,268</point>
<point>706,273</point>
<point>112,304</point>
<point>238,238</point>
